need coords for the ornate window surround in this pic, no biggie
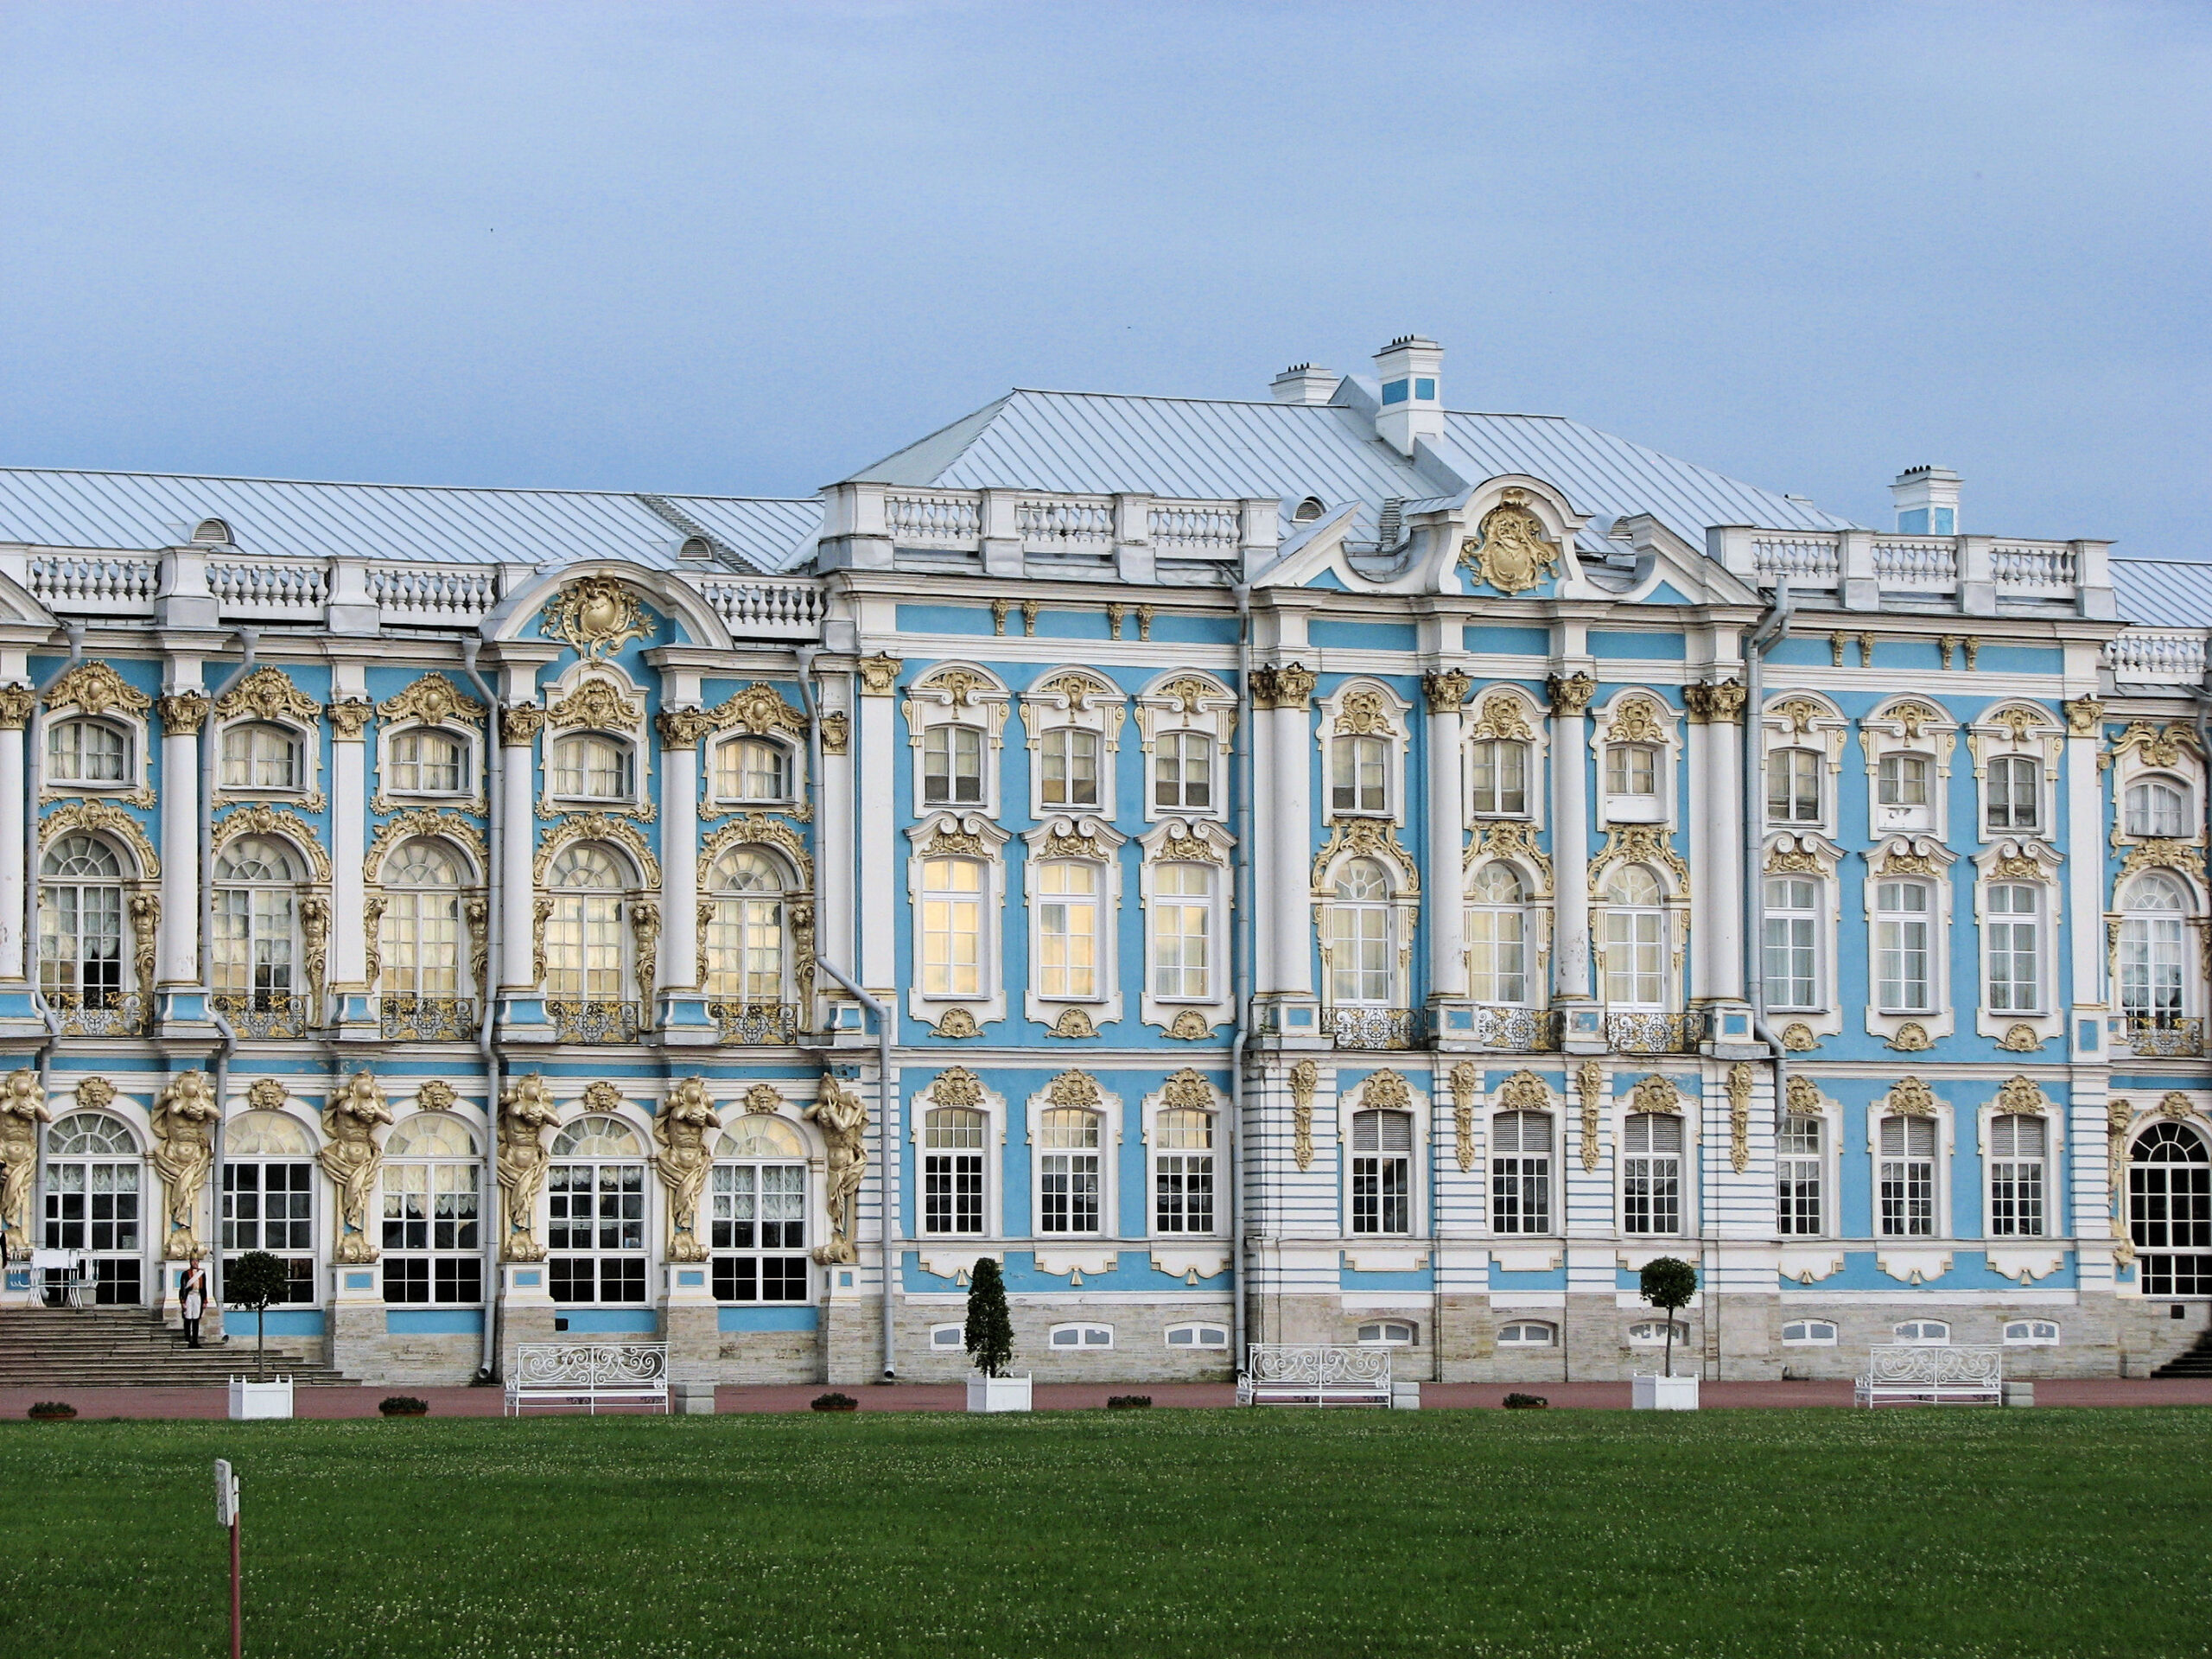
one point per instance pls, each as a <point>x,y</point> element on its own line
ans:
<point>1640,716</point>
<point>1652,846</point>
<point>107,821</point>
<point>1078,1090</point>
<point>1182,1092</point>
<point>2019,727</point>
<point>1077,700</point>
<point>786,847</point>
<point>1657,1094</point>
<point>1521,1091</point>
<point>759,711</point>
<point>1511,841</point>
<point>1922,858</point>
<point>1377,839</point>
<point>641,948</point>
<point>313,915</point>
<point>595,696</point>
<point>1188,700</point>
<point>947,834</point>
<point>1806,720</point>
<point>604,1099</point>
<point>1505,709</point>
<point>432,702</point>
<point>269,696</point>
<point>2022,861</point>
<point>466,841</point>
<point>961,1089</point>
<point>960,694</point>
<point>2023,1097</point>
<point>1814,856</point>
<point>1911,1097</point>
<point>2185,865</point>
<point>2145,754</point>
<point>1911,725</point>
<point>1085,839</point>
<point>1176,839</point>
<point>1365,706</point>
<point>94,691</point>
<point>1386,1089</point>
<point>1803,1097</point>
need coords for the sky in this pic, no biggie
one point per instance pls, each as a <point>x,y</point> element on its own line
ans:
<point>748,249</point>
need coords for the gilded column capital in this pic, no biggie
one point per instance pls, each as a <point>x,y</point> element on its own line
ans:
<point>1285,685</point>
<point>682,728</point>
<point>1447,689</point>
<point>2085,716</point>
<point>878,675</point>
<point>349,718</point>
<point>17,702</point>
<point>1571,693</point>
<point>183,713</point>
<point>1719,703</point>
<point>520,725</point>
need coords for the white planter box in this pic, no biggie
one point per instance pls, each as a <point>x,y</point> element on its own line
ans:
<point>269,1399</point>
<point>998,1394</point>
<point>1663,1392</point>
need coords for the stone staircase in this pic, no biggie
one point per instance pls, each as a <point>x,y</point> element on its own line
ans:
<point>2196,1362</point>
<point>129,1347</point>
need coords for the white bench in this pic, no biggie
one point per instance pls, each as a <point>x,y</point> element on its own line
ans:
<point>588,1374</point>
<point>1911,1374</point>
<point>1313,1373</point>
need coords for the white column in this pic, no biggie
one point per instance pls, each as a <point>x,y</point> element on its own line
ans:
<point>183,710</point>
<point>1266,877</point>
<point>15,705</point>
<point>880,853</point>
<point>2085,893</point>
<point>1447,887</point>
<point>518,729</point>
<point>1719,818</point>
<point>1290,807</point>
<point>680,731</point>
<point>349,819</point>
<point>833,839</point>
<point>1570,749</point>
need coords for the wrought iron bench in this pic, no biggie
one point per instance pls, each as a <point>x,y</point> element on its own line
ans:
<point>1314,1374</point>
<point>1914,1375</point>
<point>588,1374</point>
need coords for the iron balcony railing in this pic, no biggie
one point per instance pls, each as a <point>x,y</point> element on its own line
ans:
<point>2164,1037</point>
<point>755,1022</point>
<point>592,1021</point>
<point>427,1019</point>
<point>265,1013</point>
<point>1523,1031</point>
<point>1656,1032</point>
<point>100,1014</point>
<point>1362,1027</point>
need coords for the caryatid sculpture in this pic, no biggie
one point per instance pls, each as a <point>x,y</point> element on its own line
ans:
<point>842,1119</point>
<point>526,1111</point>
<point>184,1117</point>
<point>351,1157</point>
<point>23,1109</point>
<point>683,1161</point>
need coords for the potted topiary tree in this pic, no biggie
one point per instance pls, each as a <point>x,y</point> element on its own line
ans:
<point>259,1281</point>
<point>1667,1284</point>
<point>989,1337</point>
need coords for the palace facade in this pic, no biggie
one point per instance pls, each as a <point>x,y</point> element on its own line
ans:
<point>1327,867</point>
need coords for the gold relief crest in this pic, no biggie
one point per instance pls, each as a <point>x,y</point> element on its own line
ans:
<point>1509,551</point>
<point>597,615</point>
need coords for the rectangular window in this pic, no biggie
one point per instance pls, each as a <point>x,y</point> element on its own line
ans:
<point>1359,955</point>
<point>756,1210</point>
<point>1497,954</point>
<point>2013,929</point>
<point>1901,913</point>
<point>1359,774</point>
<point>1792,787</point>
<point>1182,770</point>
<point>1067,929</point>
<point>1632,769</point>
<point>1792,915</point>
<point>952,1173</point>
<point>1797,1177</point>
<point>1067,1174</point>
<point>1635,957</point>
<point>2016,1196</point>
<point>952,766</point>
<point>1381,1170</point>
<point>431,1208</point>
<point>1182,920</point>
<point>2015,783</point>
<point>1070,770</point>
<point>1521,1172</point>
<point>1500,778</point>
<point>1907,1177</point>
<point>1652,1174</point>
<point>952,927</point>
<point>1902,780</point>
<point>1182,1180</point>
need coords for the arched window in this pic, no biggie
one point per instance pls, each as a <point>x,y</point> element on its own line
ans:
<point>433,1246</point>
<point>1359,774</point>
<point>2014,795</point>
<point>1386,1333</point>
<point>1497,935</point>
<point>745,929</point>
<point>583,936</point>
<point>1922,1333</point>
<point>592,766</point>
<point>261,756</point>
<point>1181,914</point>
<point>952,766</point>
<point>753,769</point>
<point>1182,770</point>
<point>1500,771</point>
<point>1654,1333</point>
<point>1799,1171</point>
<point>1359,935</point>
<point>1809,1333</point>
<point>1382,1172</point>
<point>952,927</point>
<point>595,1213</point>
<point>1792,787</point>
<point>1902,915</point>
<point>953,1170</point>
<point>1907,1177</point>
<point>2169,1210</point>
<point>1068,918</point>
<point>1792,955</point>
<point>269,1196</point>
<point>86,752</point>
<point>1651,1173</point>
<point>1070,767</point>
<point>256,919</point>
<point>80,925</point>
<point>1525,1334</point>
<point>2017,1145</point>
<point>2157,809</point>
<point>1067,1172</point>
<point>2153,954</point>
<point>2011,937</point>
<point>1521,1172</point>
<point>93,1175</point>
<point>757,1221</point>
<point>420,939</point>
<point>1182,1171</point>
<point>427,762</point>
<point>1636,940</point>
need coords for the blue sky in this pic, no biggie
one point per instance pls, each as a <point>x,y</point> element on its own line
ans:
<point>750,248</point>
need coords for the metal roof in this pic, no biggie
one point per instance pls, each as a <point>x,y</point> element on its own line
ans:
<point>2164,592</point>
<point>121,512</point>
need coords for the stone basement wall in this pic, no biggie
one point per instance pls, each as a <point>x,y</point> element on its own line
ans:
<point>1139,1354</point>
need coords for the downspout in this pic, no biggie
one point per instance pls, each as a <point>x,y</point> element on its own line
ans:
<point>886,1090</point>
<point>1771,630</point>
<point>487,1363</point>
<point>1241,958</point>
<point>226,1039</point>
<point>34,785</point>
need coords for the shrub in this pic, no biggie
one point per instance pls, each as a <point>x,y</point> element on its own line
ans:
<point>259,1281</point>
<point>988,1333</point>
<point>835,1402</point>
<point>1668,1283</point>
<point>1525,1403</point>
<point>1129,1402</point>
<point>53,1408</point>
<point>403,1405</point>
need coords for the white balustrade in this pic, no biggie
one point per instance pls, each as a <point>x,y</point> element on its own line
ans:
<point>1806,561</point>
<point>783,610</point>
<point>432,595</point>
<point>1195,532</point>
<point>2156,659</point>
<point>2032,571</point>
<point>1065,525</point>
<point>88,583</point>
<point>270,590</point>
<point>1922,563</point>
<point>953,521</point>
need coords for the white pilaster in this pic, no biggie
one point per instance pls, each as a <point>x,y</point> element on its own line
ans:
<point>1447,947</point>
<point>1717,809</point>
<point>833,861</point>
<point>880,860</point>
<point>1290,808</point>
<point>518,728</point>
<point>183,710</point>
<point>349,819</point>
<point>1570,751</point>
<point>14,717</point>
<point>679,852</point>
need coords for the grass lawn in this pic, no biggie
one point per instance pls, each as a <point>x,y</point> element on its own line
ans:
<point>1801,1533</point>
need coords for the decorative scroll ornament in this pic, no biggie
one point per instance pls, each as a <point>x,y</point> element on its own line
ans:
<point>267,1094</point>
<point>183,713</point>
<point>350,717</point>
<point>600,1096</point>
<point>878,675</point>
<point>600,705</point>
<point>314,945</point>
<point>1524,1092</point>
<point>2021,1039</point>
<point>948,842</point>
<point>2085,716</point>
<point>683,1163</point>
<point>2118,1115</point>
<point>957,1086</point>
<point>1655,1094</point>
<point>2022,1099</point>
<point>842,1118</point>
<point>2162,856</point>
<point>1386,1090</point>
<point>1911,1038</point>
<point>1913,717</point>
<point>526,1111</point>
<point>1516,842</point>
<point>23,1109</point>
<point>96,1093</point>
<point>428,823</point>
<point>1075,1089</point>
<point>1073,1022</point>
<point>144,910</point>
<point>1637,721</point>
<point>1571,693</point>
<point>1080,689</point>
<point>1640,843</point>
<point>103,817</point>
<point>1304,1079</point>
<point>351,1157</point>
<point>1795,855</point>
<point>760,829</point>
<point>956,1023</point>
<point>1446,691</point>
<point>1189,1025</point>
<point>1589,1086</point>
<point>267,694</point>
<point>262,819</point>
<point>184,1151</point>
<point>435,700</point>
<point>1191,690</point>
<point>1503,716</point>
<point>1364,711</point>
<point>1804,1097</point>
<point>435,1095</point>
<point>96,689</point>
<point>1719,702</point>
<point>2174,1106</point>
<point>1187,1092</point>
<point>759,709</point>
<point>17,704</point>
<point>1797,1037</point>
<point>836,732</point>
<point>644,927</point>
<point>1800,713</point>
<point>2161,746</point>
<point>597,826</point>
<point>1466,1079</point>
<point>1508,550</point>
<point>520,725</point>
<point>1365,837</point>
<point>1740,1082</point>
<point>1181,846</point>
<point>1285,685</point>
<point>1911,1097</point>
<point>596,616</point>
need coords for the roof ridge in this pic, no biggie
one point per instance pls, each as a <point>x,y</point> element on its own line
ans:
<point>1257,403</point>
<point>366,484</point>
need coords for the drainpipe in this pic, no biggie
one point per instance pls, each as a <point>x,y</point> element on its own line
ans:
<point>34,774</point>
<point>885,1089</point>
<point>487,1366</point>
<point>1241,958</point>
<point>1771,630</point>
<point>227,1039</point>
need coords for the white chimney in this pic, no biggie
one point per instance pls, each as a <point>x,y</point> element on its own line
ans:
<point>1302,382</point>
<point>1412,402</point>
<point>1927,501</point>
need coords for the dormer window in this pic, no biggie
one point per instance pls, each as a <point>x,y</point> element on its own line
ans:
<point>428,763</point>
<point>1901,793</point>
<point>1359,774</point>
<point>592,766</point>
<point>260,756</point>
<point>86,752</point>
<point>695,547</point>
<point>1307,511</point>
<point>211,532</point>
<point>1070,762</point>
<point>2156,810</point>
<point>952,766</point>
<point>753,769</point>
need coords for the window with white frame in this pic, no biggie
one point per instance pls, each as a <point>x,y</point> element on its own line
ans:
<point>753,769</point>
<point>269,1182</point>
<point>952,1171</point>
<point>80,956</point>
<point>1382,1172</point>
<point>592,766</point>
<point>1091,1338</point>
<point>2157,809</point>
<point>1924,1333</point>
<point>2030,1333</point>
<point>419,936</point>
<point>1526,1333</point>
<point>2017,1145</point>
<point>1070,918</point>
<point>1791,942</point>
<point>90,752</point>
<point>1634,945</point>
<point>256,919</point>
<point>584,944</point>
<point>745,928</point>
<point>2011,944</point>
<point>2169,1210</point>
<point>1181,918</point>
<point>1809,1333</point>
<point>1651,1173</point>
<point>757,1212</point>
<point>1521,1172</point>
<point>1904,793</point>
<point>1902,922</point>
<point>2013,795</point>
<point>1182,770</point>
<point>595,1214</point>
<point>1792,787</point>
<point>1497,935</point>
<point>433,1246</point>
<point>1907,1177</point>
<point>1799,1171</point>
<point>1359,774</point>
<point>1362,968</point>
<point>426,761</point>
<point>261,756</point>
<point>952,766</point>
<point>1498,768</point>
<point>1386,1333</point>
<point>93,1199</point>
<point>1067,1172</point>
<point>1198,1336</point>
<point>2153,955</point>
<point>952,927</point>
<point>1182,1171</point>
<point>1633,771</point>
<point>1069,763</point>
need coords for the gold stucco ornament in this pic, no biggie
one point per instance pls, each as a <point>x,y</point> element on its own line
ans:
<point>351,1158</point>
<point>597,615</point>
<point>1509,551</point>
<point>526,1110</point>
<point>183,1153</point>
<point>23,1109</point>
<point>842,1118</point>
<point>683,1163</point>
